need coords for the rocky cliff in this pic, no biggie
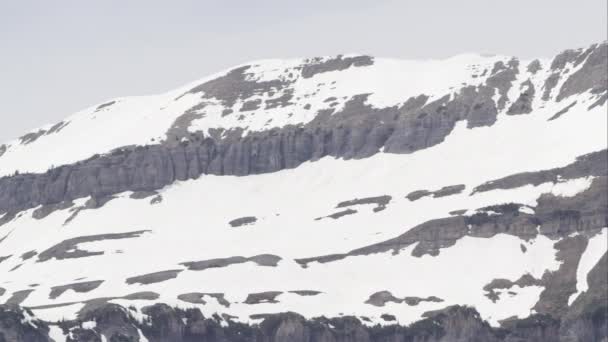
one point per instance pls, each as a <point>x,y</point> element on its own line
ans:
<point>346,198</point>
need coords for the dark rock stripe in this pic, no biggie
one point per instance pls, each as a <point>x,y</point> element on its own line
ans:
<point>443,192</point>
<point>454,323</point>
<point>562,112</point>
<point>18,297</point>
<point>152,278</point>
<point>379,201</point>
<point>358,131</point>
<point>382,297</point>
<point>592,164</point>
<point>242,221</point>
<point>82,287</point>
<point>262,297</point>
<point>555,217</point>
<point>69,248</point>
<point>197,298</point>
<point>261,260</point>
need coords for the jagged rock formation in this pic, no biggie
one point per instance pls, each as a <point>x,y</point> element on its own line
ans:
<point>163,323</point>
<point>357,131</point>
<point>347,198</point>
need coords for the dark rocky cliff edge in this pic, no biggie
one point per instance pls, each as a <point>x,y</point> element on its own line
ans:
<point>164,323</point>
<point>357,131</point>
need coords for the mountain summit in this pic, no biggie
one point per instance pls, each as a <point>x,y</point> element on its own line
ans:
<point>346,198</point>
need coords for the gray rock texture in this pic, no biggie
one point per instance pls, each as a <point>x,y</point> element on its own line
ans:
<point>152,278</point>
<point>262,297</point>
<point>357,131</point>
<point>243,221</point>
<point>18,297</point>
<point>81,287</point>
<point>555,217</point>
<point>591,76</point>
<point>317,66</point>
<point>523,104</point>
<point>452,324</point>
<point>261,260</point>
<point>380,202</point>
<point>338,214</point>
<point>69,248</point>
<point>199,298</point>
<point>382,297</point>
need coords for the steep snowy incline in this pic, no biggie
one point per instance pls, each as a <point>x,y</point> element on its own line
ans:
<point>293,92</point>
<point>272,93</point>
<point>195,243</point>
<point>347,186</point>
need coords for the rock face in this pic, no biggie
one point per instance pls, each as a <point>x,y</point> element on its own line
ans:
<point>416,194</point>
<point>163,323</point>
<point>16,326</point>
<point>356,131</point>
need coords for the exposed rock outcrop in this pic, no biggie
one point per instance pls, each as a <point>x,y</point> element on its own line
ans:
<point>163,323</point>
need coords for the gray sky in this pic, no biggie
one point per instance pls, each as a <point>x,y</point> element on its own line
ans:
<point>57,57</point>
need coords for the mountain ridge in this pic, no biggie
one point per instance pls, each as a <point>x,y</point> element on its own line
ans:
<point>382,190</point>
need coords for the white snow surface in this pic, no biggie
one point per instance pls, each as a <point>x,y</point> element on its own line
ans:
<point>596,248</point>
<point>143,120</point>
<point>191,221</point>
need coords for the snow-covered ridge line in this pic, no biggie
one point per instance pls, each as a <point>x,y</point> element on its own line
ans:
<point>195,214</point>
<point>285,92</point>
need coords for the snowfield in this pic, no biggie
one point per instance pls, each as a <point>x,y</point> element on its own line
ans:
<point>189,220</point>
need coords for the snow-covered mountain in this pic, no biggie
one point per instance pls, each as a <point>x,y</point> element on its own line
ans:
<point>387,190</point>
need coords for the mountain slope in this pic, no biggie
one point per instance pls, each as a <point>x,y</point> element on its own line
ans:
<point>350,185</point>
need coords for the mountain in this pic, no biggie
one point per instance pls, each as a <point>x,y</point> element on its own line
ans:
<point>346,198</point>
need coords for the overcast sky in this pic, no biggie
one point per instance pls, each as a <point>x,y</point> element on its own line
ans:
<point>57,57</point>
